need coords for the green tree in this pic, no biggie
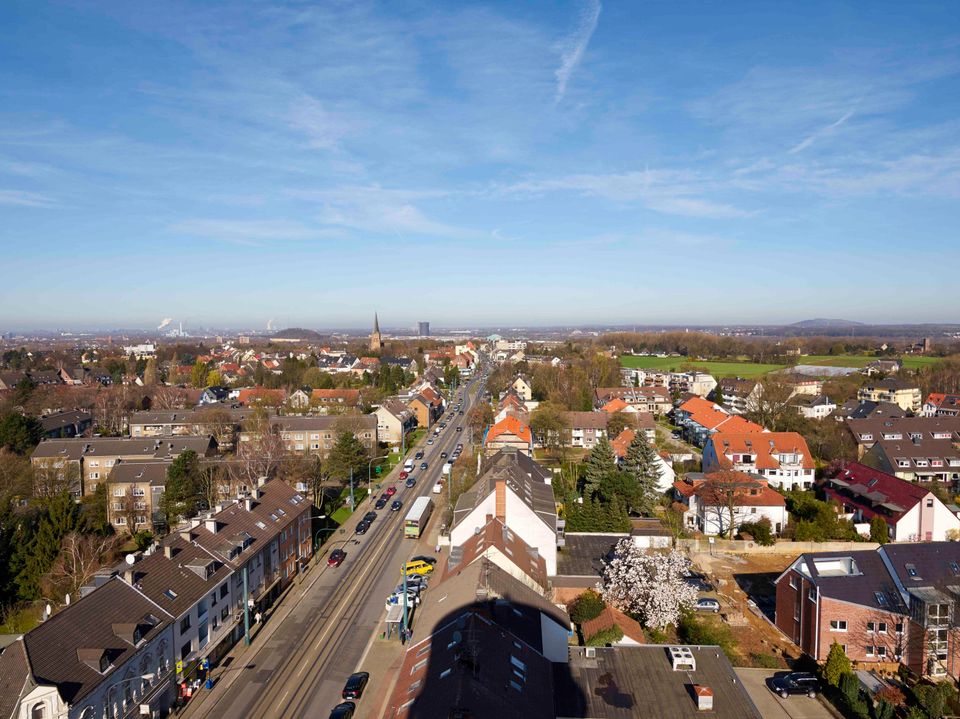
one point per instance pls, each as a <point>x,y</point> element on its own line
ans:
<point>23,390</point>
<point>587,606</point>
<point>641,464</point>
<point>836,666</point>
<point>213,378</point>
<point>58,518</point>
<point>182,490</point>
<point>19,433</point>
<point>618,422</point>
<point>198,375</point>
<point>600,463</point>
<point>879,531</point>
<point>347,456</point>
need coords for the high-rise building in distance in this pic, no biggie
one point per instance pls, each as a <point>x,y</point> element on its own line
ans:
<point>423,329</point>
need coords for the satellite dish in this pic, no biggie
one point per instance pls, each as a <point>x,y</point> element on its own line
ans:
<point>130,559</point>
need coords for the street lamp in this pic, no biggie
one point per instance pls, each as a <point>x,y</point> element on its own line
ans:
<point>316,536</point>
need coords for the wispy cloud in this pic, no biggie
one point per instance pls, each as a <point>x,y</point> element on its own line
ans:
<point>248,232</point>
<point>25,199</point>
<point>323,128</point>
<point>575,45</point>
<point>823,132</point>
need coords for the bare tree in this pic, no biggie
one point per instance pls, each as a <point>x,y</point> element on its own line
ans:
<point>219,423</point>
<point>53,477</point>
<point>772,403</point>
<point>81,556</point>
<point>722,493</point>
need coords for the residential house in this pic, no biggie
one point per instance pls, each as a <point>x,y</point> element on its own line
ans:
<point>883,366</point>
<point>699,419</point>
<point>813,406</point>
<point>318,434</point>
<point>134,495</point>
<point>516,490</point>
<point>781,458</point>
<point>509,432</point>
<point>711,498</point>
<point>394,420</point>
<point>504,549</point>
<point>655,400</point>
<point>939,404</point>
<point>912,448</point>
<point>85,462</point>
<point>108,654</point>
<point>262,397</point>
<point>801,383</point>
<point>854,409</point>
<point>740,395</point>
<point>894,604</point>
<point>621,444</point>
<point>523,386</point>
<point>213,395</point>
<point>221,421</point>
<point>899,392</point>
<point>72,423</point>
<point>427,406</point>
<point>911,512</point>
<point>586,428</point>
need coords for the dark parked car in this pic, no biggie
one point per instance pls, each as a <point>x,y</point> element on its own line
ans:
<point>423,465</point>
<point>343,711</point>
<point>336,558</point>
<point>795,683</point>
<point>418,455</point>
<point>355,685</point>
<point>381,502</point>
<point>460,429</point>
<point>395,507</point>
<point>443,455</point>
<point>369,517</point>
<point>428,560</point>
<point>362,527</point>
<point>411,481</point>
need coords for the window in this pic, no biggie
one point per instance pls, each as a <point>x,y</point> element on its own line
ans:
<point>879,627</point>
<point>223,590</point>
<point>929,502</point>
<point>838,625</point>
<point>899,627</point>
<point>793,582</point>
<point>911,570</point>
<point>185,624</point>
<point>881,652</point>
<point>38,711</point>
<point>94,475</point>
<point>812,594</point>
<point>870,650</point>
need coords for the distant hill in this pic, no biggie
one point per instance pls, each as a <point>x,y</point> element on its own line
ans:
<point>297,333</point>
<point>825,323</point>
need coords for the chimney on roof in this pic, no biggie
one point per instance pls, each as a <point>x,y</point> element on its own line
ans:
<point>130,576</point>
<point>262,481</point>
<point>248,504</point>
<point>255,493</point>
<point>168,551</point>
<point>186,535</point>
<point>501,499</point>
<point>212,525</point>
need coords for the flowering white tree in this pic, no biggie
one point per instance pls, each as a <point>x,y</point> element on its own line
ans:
<point>651,584</point>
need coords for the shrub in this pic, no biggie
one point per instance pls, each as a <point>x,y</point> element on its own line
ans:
<point>693,630</point>
<point>836,666</point>
<point>764,661</point>
<point>605,637</point>
<point>760,531</point>
<point>850,688</point>
<point>587,606</point>
<point>658,636</point>
<point>891,695</point>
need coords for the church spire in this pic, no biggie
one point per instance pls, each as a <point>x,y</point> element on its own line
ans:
<point>376,323</point>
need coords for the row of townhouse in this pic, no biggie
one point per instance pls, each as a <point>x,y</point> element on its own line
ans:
<point>654,400</point>
<point>699,419</point>
<point>896,391</point>
<point>317,434</point>
<point>920,449</point>
<point>143,630</point>
<point>83,463</point>
<point>938,404</point>
<point>223,422</point>
<point>693,382</point>
<point>898,604</point>
<point>781,458</point>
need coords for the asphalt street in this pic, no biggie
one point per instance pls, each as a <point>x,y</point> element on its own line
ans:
<point>300,670</point>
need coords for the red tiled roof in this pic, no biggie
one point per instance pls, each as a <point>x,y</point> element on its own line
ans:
<point>261,395</point>
<point>615,405</point>
<point>510,425</point>
<point>622,442</point>
<point>763,446</point>
<point>346,396</point>
<point>748,492</point>
<point>868,488</point>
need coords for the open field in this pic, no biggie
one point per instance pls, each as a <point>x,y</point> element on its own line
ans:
<point>752,369</point>
<point>717,369</point>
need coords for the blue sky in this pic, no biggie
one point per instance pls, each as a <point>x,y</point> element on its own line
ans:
<point>520,163</point>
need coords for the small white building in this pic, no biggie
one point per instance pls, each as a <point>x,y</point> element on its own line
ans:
<point>708,499</point>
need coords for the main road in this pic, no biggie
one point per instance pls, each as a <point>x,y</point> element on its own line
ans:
<point>301,668</point>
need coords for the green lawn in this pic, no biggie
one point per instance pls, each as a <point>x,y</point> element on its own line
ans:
<point>717,369</point>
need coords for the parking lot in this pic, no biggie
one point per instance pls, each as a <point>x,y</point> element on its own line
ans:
<point>772,706</point>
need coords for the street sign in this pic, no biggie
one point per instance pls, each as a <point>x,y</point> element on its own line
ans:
<point>377,469</point>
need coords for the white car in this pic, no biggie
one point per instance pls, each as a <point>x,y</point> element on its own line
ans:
<point>708,605</point>
<point>437,488</point>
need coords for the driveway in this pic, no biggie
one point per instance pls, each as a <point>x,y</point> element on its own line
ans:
<point>772,706</point>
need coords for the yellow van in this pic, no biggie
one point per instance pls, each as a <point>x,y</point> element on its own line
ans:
<point>419,567</point>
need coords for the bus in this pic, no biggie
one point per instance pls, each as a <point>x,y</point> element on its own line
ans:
<point>416,519</point>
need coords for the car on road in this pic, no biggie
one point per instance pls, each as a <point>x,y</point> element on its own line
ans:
<point>390,491</point>
<point>418,455</point>
<point>344,710</point>
<point>362,527</point>
<point>369,517</point>
<point>336,558</point>
<point>708,605</point>
<point>381,502</point>
<point>404,474</point>
<point>411,481</point>
<point>395,507</point>
<point>430,441</point>
<point>423,558</point>
<point>418,566</point>
<point>460,429</point>
<point>443,455</point>
<point>460,412</point>
<point>795,683</point>
<point>423,466</point>
<point>355,685</point>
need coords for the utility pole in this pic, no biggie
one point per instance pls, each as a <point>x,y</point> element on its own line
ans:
<point>404,629</point>
<point>353,504</point>
<point>246,607</point>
